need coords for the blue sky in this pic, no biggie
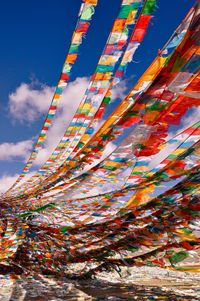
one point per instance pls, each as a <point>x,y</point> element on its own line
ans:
<point>34,40</point>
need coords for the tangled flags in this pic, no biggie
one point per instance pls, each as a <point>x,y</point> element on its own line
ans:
<point>143,197</point>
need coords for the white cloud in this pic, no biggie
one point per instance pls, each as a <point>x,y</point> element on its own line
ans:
<point>119,91</point>
<point>28,103</point>
<point>7,181</point>
<point>9,151</point>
